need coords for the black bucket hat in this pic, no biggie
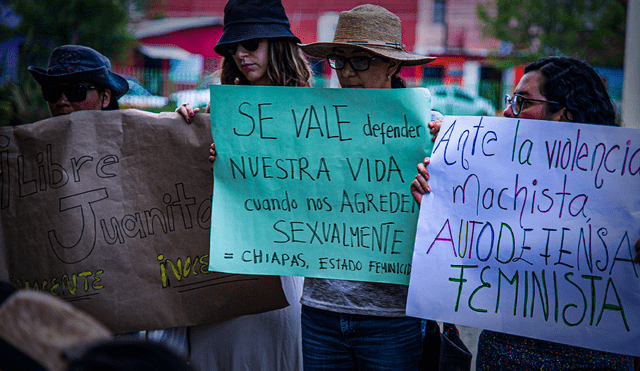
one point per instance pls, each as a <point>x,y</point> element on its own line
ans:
<point>254,19</point>
<point>75,63</point>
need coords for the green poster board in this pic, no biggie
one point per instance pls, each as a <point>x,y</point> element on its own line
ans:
<point>315,182</point>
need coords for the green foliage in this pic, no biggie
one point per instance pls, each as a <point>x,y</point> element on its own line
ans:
<point>168,108</point>
<point>47,24</point>
<point>99,24</point>
<point>585,29</point>
<point>21,104</point>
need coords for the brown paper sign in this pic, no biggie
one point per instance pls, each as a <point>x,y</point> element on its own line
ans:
<point>110,211</point>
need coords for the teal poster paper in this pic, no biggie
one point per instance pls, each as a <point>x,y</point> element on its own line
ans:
<point>315,182</point>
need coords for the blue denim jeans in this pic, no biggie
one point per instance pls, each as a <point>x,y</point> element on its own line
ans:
<point>339,341</point>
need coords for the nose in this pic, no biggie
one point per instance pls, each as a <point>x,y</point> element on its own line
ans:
<point>63,100</point>
<point>508,112</point>
<point>347,70</point>
<point>241,52</point>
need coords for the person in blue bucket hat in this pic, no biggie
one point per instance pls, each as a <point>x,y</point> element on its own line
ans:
<point>79,78</point>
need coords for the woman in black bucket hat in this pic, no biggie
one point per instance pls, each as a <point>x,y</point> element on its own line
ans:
<point>258,49</point>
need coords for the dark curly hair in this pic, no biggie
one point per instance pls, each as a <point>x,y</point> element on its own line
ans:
<point>576,86</point>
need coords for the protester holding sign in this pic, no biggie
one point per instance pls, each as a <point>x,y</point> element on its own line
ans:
<point>348,324</point>
<point>553,89</point>
<point>258,49</point>
<point>79,78</point>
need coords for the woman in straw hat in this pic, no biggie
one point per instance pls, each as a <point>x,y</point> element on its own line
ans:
<point>349,325</point>
<point>258,49</point>
<point>367,50</point>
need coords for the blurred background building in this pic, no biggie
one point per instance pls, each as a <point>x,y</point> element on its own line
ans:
<point>167,53</point>
<point>180,42</point>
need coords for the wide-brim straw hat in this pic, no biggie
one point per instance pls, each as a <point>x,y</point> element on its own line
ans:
<point>372,28</point>
<point>39,331</point>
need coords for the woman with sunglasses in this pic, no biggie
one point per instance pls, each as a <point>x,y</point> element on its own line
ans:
<point>553,89</point>
<point>348,325</point>
<point>258,49</point>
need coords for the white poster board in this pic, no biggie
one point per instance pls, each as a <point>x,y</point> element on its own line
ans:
<point>529,230</point>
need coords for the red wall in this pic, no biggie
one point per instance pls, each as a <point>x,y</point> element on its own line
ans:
<point>194,40</point>
<point>302,15</point>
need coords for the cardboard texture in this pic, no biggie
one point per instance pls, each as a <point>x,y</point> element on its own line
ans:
<point>111,211</point>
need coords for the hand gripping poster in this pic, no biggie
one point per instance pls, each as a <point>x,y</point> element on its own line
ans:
<point>316,182</point>
<point>111,212</point>
<point>529,230</point>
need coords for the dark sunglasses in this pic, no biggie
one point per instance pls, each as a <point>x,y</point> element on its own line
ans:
<point>357,63</point>
<point>228,50</point>
<point>74,93</point>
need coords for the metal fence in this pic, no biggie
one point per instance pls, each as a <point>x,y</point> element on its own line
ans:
<point>165,83</point>
<point>492,90</point>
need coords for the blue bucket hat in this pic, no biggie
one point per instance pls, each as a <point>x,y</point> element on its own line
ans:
<point>254,19</point>
<point>75,63</point>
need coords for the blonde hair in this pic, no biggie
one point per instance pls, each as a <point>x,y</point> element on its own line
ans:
<point>287,66</point>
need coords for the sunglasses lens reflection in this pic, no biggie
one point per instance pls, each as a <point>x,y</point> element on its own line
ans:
<point>335,62</point>
<point>517,104</point>
<point>356,63</point>
<point>360,63</point>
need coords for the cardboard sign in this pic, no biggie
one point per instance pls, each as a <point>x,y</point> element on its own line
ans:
<point>110,211</point>
<point>529,230</point>
<point>315,182</point>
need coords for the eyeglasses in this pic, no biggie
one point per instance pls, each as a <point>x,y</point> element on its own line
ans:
<point>74,93</point>
<point>357,63</point>
<point>228,50</point>
<point>517,102</point>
